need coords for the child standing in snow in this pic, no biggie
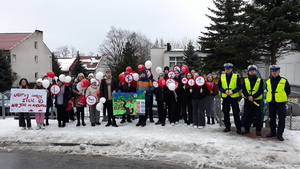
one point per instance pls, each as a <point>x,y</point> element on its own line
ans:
<point>94,113</point>
<point>39,117</point>
<point>23,83</point>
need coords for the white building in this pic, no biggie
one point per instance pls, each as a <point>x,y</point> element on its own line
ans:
<point>29,56</point>
<point>290,67</point>
<point>161,57</point>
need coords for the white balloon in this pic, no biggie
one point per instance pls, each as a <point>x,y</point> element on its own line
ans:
<point>148,64</point>
<point>62,77</point>
<point>46,83</point>
<point>68,79</point>
<point>99,76</point>
<point>102,100</point>
<point>135,76</point>
<point>55,78</point>
<point>172,86</point>
<point>99,106</point>
<point>159,70</point>
<point>78,86</point>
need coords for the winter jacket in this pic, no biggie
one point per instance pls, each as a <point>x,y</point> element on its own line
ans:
<point>104,90</point>
<point>145,84</point>
<point>92,90</point>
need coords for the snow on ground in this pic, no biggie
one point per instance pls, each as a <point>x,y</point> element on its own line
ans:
<point>182,145</point>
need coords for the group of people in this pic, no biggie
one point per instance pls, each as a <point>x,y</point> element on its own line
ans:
<point>187,102</point>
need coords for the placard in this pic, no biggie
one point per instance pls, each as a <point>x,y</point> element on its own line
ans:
<point>91,100</point>
<point>28,100</point>
<point>55,89</point>
<point>128,103</point>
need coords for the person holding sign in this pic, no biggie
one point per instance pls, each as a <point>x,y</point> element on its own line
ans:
<point>252,89</point>
<point>126,87</point>
<point>108,86</point>
<point>91,100</point>
<point>78,91</point>
<point>61,103</point>
<point>23,84</point>
<point>144,84</point>
<point>230,85</point>
<point>161,96</point>
<point>39,117</point>
<point>213,91</point>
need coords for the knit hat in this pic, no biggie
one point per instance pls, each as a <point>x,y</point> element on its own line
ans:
<point>39,80</point>
<point>93,80</point>
<point>166,68</point>
<point>144,71</point>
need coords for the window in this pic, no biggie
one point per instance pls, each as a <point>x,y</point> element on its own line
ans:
<point>176,61</point>
<point>35,45</point>
<point>36,59</point>
<point>14,58</point>
<point>36,75</point>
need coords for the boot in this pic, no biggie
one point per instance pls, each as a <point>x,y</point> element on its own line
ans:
<point>78,123</point>
<point>63,124</point>
<point>212,120</point>
<point>238,131</point>
<point>59,123</point>
<point>139,123</point>
<point>47,122</point>
<point>227,129</point>
<point>123,119</point>
<point>143,124</point>
<point>82,119</point>
<point>129,119</point>
<point>208,120</point>
<point>104,118</point>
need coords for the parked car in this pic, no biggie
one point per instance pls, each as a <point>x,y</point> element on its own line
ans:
<point>6,104</point>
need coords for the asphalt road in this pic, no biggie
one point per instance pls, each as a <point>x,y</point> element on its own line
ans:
<point>41,160</point>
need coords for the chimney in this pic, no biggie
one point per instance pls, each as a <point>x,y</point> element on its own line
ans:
<point>168,47</point>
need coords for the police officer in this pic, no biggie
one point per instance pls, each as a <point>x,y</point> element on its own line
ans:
<point>252,90</point>
<point>230,85</point>
<point>278,89</point>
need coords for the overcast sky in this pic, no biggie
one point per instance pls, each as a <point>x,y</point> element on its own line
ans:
<point>84,24</point>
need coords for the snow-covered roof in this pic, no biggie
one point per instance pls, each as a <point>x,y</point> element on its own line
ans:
<point>65,63</point>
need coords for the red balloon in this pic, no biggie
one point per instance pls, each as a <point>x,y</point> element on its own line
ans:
<point>122,77</point>
<point>141,67</point>
<point>128,69</point>
<point>50,74</point>
<point>185,69</point>
<point>162,82</point>
<point>98,93</point>
<point>67,84</point>
<point>210,86</point>
<point>84,83</point>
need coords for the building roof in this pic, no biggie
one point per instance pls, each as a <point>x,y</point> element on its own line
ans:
<point>65,63</point>
<point>10,40</point>
<point>89,62</point>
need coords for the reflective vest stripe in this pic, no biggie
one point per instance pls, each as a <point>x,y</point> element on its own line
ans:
<point>255,88</point>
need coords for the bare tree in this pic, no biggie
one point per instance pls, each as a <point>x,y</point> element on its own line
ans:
<point>62,51</point>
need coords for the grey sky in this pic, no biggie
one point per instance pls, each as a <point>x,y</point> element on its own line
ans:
<point>84,24</point>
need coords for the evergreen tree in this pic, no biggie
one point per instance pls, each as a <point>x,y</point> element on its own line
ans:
<point>191,59</point>
<point>217,41</point>
<point>129,58</point>
<point>274,27</point>
<point>6,78</point>
<point>55,65</point>
<point>78,67</point>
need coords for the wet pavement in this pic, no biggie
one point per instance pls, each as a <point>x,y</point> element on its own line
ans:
<point>39,160</point>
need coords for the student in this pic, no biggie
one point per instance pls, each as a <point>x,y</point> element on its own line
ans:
<point>39,117</point>
<point>61,103</point>
<point>94,113</point>
<point>79,107</point>
<point>23,84</point>
<point>126,87</point>
<point>210,113</point>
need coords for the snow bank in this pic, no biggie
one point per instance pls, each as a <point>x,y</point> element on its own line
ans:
<point>182,145</point>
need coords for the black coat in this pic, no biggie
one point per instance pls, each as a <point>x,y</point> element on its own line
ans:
<point>104,90</point>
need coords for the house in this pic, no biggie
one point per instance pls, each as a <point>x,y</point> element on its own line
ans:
<point>91,63</point>
<point>28,54</point>
<point>161,57</point>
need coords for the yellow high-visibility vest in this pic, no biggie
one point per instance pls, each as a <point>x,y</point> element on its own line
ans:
<point>232,85</point>
<point>280,94</point>
<point>255,88</point>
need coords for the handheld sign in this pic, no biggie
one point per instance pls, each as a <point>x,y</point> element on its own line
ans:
<point>91,100</point>
<point>128,78</point>
<point>149,73</point>
<point>169,81</point>
<point>200,81</point>
<point>171,74</point>
<point>176,67</point>
<point>184,80</point>
<point>55,89</point>
<point>155,84</point>
<point>191,82</point>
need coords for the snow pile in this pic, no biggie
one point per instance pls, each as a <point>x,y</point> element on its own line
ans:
<point>182,145</point>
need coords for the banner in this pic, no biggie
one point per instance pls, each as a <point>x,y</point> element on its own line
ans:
<point>128,103</point>
<point>28,100</point>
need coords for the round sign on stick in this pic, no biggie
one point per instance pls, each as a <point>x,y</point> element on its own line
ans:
<point>128,78</point>
<point>191,82</point>
<point>155,84</point>
<point>176,67</point>
<point>200,81</point>
<point>184,80</point>
<point>169,81</point>
<point>91,100</point>
<point>55,89</point>
<point>171,74</point>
